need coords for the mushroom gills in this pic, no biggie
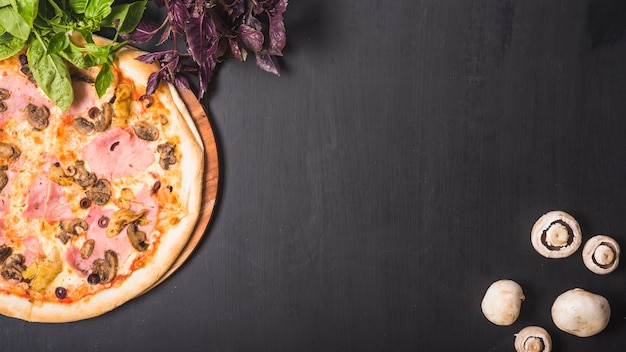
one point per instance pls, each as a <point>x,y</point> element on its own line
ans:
<point>601,254</point>
<point>37,116</point>
<point>556,234</point>
<point>13,267</point>
<point>9,151</point>
<point>105,268</point>
<point>533,339</point>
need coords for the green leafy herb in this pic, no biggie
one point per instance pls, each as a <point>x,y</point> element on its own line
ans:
<point>50,29</point>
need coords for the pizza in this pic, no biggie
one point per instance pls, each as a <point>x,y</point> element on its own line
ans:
<point>96,202</point>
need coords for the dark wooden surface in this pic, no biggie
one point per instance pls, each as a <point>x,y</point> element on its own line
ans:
<point>371,194</point>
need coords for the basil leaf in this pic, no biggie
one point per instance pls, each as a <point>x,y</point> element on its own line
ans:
<point>104,79</point>
<point>97,51</point>
<point>28,10</point>
<point>74,55</point>
<point>78,6</point>
<point>10,46</point>
<point>51,73</point>
<point>98,9</point>
<point>14,23</point>
<point>125,17</point>
<point>58,42</point>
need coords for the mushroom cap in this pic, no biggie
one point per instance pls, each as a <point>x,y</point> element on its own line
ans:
<point>601,254</point>
<point>533,339</point>
<point>502,302</point>
<point>556,234</point>
<point>580,312</point>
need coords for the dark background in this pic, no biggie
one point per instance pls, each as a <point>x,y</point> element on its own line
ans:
<point>371,194</point>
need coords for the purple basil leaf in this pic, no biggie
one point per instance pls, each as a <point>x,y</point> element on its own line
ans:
<point>237,51</point>
<point>205,74</point>
<point>267,63</point>
<point>181,82</point>
<point>277,33</point>
<point>165,35</point>
<point>194,30</point>
<point>254,23</point>
<point>153,82</point>
<point>144,31</point>
<point>151,57</point>
<point>178,15</point>
<point>280,7</point>
<point>250,37</point>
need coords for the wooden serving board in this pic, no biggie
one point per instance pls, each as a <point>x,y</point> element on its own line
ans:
<point>211,176</point>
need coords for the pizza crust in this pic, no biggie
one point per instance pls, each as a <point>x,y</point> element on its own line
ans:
<point>191,163</point>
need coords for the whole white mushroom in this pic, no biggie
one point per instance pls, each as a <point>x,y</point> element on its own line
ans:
<point>502,302</point>
<point>533,339</point>
<point>580,312</point>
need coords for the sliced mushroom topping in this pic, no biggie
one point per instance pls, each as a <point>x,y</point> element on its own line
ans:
<point>9,151</point>
<point>137,237</point>
<point>58,175</point>
<point>105,268</point>
<point>103,120</point>
<point>4,94</point>
<point>168,156</point>
<point>146,131</point>
<point>13,267</point>
<point>163,120</point>
<point>4,178</point>
<point>71,228</point>
<point>87,248</point>
<point>556,235</point>
<point>83,126</point>
<point>148,98</point>
<point>99,192</point>
<point>5,252</point>
<point>601,254</point>
<point>37,116</point>
<point>81,176</point>
<point>121,218</point>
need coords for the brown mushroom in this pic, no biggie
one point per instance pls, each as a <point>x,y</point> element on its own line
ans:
<point>57,175</point>
<point>81,176</point>
<point>13,267</point>
<point>4,94</point>
<point>71,228</point>
<point>103,120</point>
<point>9,151</point>
<point>146,131</point>
<point>99,192</point>
<point>83,126</point>
<point>37,116</point>
<point>87,248</point>
<point>105,268</point>
<point>121,218</point>
<point>167,157</point>
<point>4,178</point>
<point>137,237</point>
<point>5,252</point>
